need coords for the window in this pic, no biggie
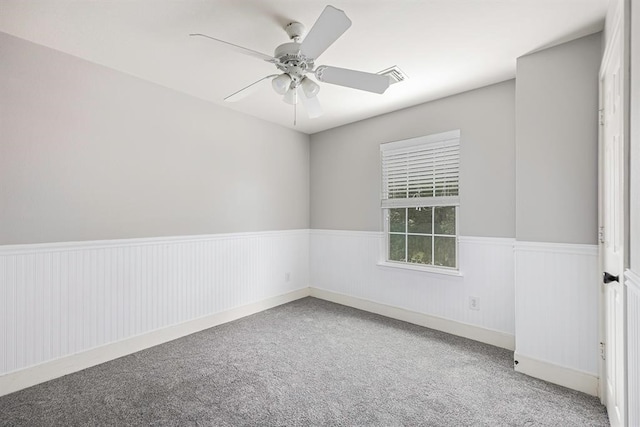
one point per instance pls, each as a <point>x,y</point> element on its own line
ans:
<point>420,198</point>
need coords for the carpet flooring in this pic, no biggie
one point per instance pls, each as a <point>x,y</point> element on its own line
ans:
<point>306,363</point>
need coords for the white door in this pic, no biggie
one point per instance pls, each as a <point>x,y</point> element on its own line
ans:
<point>612,199</point>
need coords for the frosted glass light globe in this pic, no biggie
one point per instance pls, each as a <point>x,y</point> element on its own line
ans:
<point>309,87</point>
<point>281,83</point>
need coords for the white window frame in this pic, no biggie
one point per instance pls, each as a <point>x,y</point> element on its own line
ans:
<point>432,201</point>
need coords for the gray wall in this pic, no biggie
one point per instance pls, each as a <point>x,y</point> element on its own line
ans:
<point>345,162</point>
<point>90,153</point>
<point>557,143</point>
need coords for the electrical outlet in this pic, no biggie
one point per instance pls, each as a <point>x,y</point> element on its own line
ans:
<point>474,303</point>
<point>287,277</point>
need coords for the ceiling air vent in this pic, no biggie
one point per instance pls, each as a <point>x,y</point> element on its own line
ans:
<point>394,73</point>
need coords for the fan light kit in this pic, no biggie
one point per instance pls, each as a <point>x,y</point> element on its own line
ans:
<point>296,62</point>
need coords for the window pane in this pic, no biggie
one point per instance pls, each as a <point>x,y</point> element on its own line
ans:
<point>396,247</point>
<point>447,189</point>
<point>445,251</point>
<point>420,220</point>
<point>445,220</point>
<point>397,220</point>
<point>425,190</point>
<point>420,249</point>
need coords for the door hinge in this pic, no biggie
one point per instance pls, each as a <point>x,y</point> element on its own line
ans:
<point>603,351</point>
<point>601,234</point>
<point>601,116</point>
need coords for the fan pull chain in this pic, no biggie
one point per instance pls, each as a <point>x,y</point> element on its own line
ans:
<point>295,109</point>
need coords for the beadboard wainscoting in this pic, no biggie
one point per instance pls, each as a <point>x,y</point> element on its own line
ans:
<point>557,294</point>
<point>344,268</point>
<point>106,299</point>
<point>632,282</point>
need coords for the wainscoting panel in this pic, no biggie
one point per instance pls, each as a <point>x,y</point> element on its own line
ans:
<point>632,282</point>
<point>557,293</point>
<point>346,263</point>
<point>61,299</point>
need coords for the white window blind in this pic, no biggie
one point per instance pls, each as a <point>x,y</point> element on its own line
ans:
<point>421,171</point>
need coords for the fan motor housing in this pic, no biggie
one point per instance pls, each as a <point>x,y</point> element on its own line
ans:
<point>291,61</point>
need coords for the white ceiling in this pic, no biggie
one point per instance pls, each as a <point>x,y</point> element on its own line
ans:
<point>444,46</point>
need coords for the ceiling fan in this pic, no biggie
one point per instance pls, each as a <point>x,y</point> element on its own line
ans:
<point>297,59</point>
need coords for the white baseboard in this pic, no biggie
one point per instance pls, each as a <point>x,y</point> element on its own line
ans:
<point>476,333</point>
<point>33,375</point>
<point>566,377</point>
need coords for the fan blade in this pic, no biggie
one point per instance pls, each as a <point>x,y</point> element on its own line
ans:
<point>312,105</point>
<point>352,78</point>
<point>240,49</point>
<point>331,24</point>
<point>247,90</point>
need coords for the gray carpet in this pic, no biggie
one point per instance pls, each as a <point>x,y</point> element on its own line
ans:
<point>309,362</point>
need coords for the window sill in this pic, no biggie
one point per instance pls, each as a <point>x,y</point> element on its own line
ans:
<point>433,270</point>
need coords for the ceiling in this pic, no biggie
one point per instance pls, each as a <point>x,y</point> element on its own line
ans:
<point>443,46</point>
